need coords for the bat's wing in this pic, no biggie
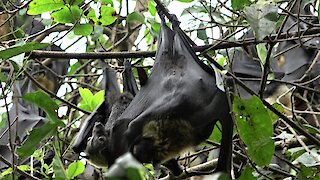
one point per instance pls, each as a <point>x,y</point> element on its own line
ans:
<point>123,100</point>
<point>129,82</point>
<point>111,85</point>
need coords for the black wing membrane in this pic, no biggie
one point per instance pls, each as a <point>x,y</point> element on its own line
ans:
<point>129,82</point>
<point>123,100</point>
<point>176,108</point>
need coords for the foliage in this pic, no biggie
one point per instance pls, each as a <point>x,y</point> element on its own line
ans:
<point>255,129</point>
<point>77,88</point>
<point>89,101</point>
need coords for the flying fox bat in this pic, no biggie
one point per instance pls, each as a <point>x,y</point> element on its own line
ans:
<point>97,149</point>
<point>176,109</point>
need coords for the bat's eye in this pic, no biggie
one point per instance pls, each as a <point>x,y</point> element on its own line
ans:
<point>102,138</point>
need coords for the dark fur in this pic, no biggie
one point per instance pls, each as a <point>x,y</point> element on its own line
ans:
<point>98,144</point>
<point>122,102</point>
<point>97,148</point>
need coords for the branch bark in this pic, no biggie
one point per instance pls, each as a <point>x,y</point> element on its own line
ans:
<point>139,54</point>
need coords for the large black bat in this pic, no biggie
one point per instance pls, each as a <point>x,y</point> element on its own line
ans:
<point>102,113</point>
<point>245,63</point>
<point>177,108</point>
<point>29,115</point>
<point>299,53</point>
<point>97,145</point>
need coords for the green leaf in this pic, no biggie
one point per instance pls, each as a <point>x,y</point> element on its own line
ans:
<point>262,52</point>
<point>59,171</point>
<point>89,101</point>
<point>85,107</point>
<point>6,172</point>
<point>73,68</point>
<point>92,15</point>
<point>83,29</point>
<point>135,17</point>
<point>308,173</point>
<point>28,47</point>
<point>152,8</point>
<point>278,107</point>
<point>3,120</point>
<point>86,95</point>
<point>108,15</point>
<point>155,28</point>
<point>74,169</point>
<point>97,99</point>
<point>239,4</point>
<point>134,173</point>
<point>309,128</point>
<point>24,167</point>
<point>255,129</point>
<point>126,166</point>
<point>38,154</point>
<point>19,58</point>
<point>36,135</point>
<point>107,2</point>
<point>222,61</point>
<point>186,1</point>
<point>3,78</point>
<point>40,6</point>
<point>218,18</point>
<point>43,101</point>
<point>74,2</point>
<point>247,174</point>
<point>67,14</point>
<point>202,34</point>
<point>262,19</point>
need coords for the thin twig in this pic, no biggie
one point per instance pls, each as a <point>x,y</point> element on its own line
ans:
<point>53,95</point>
<point>4,160</point>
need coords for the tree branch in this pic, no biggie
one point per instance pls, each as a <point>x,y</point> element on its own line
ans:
<point>140,54</point>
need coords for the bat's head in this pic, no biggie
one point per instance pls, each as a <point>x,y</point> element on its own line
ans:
<point>97,145</point>
<point>125,98</point>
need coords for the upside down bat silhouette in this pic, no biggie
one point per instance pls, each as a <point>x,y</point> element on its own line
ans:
<point>105,114</point>
<point>176,108</point>
<point>97,149</point>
